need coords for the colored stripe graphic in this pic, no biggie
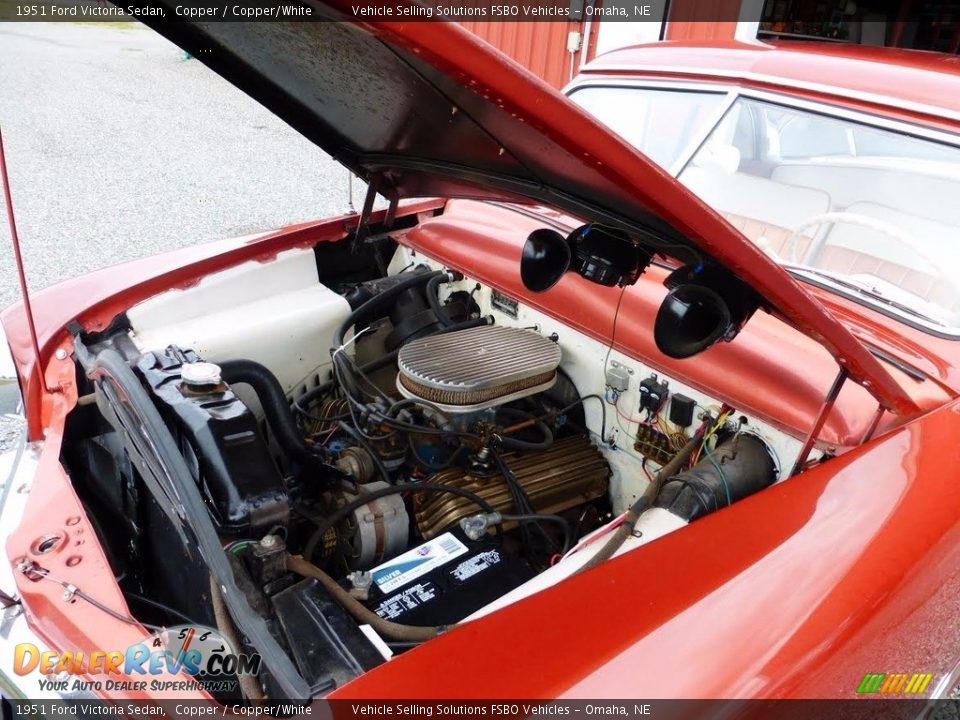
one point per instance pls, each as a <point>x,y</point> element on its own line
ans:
<point>893,683</point>
<point>870,682</point>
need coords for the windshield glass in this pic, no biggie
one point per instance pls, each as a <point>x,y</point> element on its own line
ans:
<point>661,123</point>
<point>869,212</point>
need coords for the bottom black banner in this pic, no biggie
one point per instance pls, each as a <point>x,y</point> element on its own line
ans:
<point>865,709</point>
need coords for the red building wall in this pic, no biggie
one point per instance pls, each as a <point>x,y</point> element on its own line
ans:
<point>542,46</point>
<point>539,46</point>
<point>694,30</point>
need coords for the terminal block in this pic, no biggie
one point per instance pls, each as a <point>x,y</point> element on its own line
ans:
<point>653,445</point>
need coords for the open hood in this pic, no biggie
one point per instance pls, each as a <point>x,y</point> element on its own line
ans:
<point>428,109</point>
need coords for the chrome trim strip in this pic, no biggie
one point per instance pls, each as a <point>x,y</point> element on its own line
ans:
<point>788,84</point>
<point>784,98</point>
<point>908,319</point>
<point>901,365</point>
<point>697,141</point>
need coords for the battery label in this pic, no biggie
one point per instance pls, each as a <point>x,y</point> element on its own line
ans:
<point>413,597</point>
<point>417,562</point>
<point>477,564</point>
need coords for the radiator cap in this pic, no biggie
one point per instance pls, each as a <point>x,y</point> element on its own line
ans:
<point>199,374</point>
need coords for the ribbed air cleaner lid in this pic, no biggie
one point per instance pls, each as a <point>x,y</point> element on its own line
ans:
<point>478,367</point>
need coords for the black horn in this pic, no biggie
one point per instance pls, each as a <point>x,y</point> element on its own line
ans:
<point>601,255</point>
<point>705,304</point>
<point>546,257</point>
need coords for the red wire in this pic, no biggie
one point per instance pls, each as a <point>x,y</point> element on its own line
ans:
<point>616,405</point>
<point>599,533</point>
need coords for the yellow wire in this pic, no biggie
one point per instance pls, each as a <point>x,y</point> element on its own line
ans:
<point>721,421</point>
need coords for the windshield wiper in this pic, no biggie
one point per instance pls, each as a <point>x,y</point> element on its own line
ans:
<point>863,288</point>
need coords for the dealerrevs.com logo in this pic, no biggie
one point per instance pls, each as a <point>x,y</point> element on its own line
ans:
<point>196,651</point>
<point>894,683</point>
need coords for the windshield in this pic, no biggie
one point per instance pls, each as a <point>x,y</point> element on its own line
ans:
<point>661,123</point>
<point>866,211</point>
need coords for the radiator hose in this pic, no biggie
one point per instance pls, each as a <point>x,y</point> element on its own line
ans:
<point>276,408</point>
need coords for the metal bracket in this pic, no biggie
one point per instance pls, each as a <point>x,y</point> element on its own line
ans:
<point>363,228</point>
<point>391,211</point>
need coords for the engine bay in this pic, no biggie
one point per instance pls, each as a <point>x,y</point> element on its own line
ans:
<point>379,455</point>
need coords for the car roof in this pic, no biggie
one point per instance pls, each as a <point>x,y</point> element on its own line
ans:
<point>921,82</point>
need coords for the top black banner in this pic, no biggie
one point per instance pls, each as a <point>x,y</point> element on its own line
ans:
<point>292,10</point>
<point>812,18</point>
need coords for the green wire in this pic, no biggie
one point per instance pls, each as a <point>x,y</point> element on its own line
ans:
<point>722,477</point>
<point>240,544</point>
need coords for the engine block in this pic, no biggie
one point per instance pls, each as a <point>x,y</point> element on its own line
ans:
<point>571,472</point>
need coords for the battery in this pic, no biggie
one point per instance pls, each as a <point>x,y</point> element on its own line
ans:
<point>444,580</point>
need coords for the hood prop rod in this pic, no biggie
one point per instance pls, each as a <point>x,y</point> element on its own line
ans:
<point>15,239</point>
<point>825,408</point>
<point>363,222</point>
<point>362,233</point>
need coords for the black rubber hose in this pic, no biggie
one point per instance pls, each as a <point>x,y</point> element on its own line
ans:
<point>537,517</point>
<point>344,510</point>
<point>276,408</point>
<point>404,402</point>
<point>509,443</point>
<point>433,297</point>
<point>466,325</point>
<point>342,370</point>
<point>377,300</point>
<point>603,411</point>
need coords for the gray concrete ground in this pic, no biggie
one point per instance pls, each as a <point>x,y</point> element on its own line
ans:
<point>120,147</point>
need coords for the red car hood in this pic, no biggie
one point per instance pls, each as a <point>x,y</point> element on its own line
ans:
<point>428,109</point>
